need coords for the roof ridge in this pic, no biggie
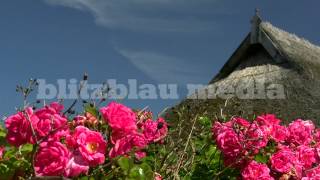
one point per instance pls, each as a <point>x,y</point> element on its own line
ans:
<point>268,27</point>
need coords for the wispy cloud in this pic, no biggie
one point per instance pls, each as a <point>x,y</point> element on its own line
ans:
<point>184,18</point>
<point>163,68</point>
<point>147,15</point>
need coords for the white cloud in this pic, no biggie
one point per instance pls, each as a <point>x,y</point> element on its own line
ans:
<point>147,15</point>
<point>163,68</point>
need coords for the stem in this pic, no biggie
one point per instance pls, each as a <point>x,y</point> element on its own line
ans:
<point>76,100</point>
<point>35,145</point>
<point>186,147</point>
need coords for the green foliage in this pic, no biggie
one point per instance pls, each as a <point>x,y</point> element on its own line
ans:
<point>3,134</point>
<point>16,162</point>
<point>130,169</point>
<point>208,162</point>
<point>261,158</point>
<point>91,109</point>
<point>26,148</point>
<point>190,153</point>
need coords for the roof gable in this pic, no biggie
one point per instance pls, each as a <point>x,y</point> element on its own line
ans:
<point>280,45</point>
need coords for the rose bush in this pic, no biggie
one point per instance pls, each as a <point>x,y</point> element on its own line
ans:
<point>282,152</point>
<point>117,142</point>
<point>92,143</point>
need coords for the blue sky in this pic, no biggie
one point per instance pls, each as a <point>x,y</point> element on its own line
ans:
<point>153,41</point>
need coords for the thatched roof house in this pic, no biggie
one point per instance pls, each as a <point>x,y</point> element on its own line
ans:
<point>272,71</point>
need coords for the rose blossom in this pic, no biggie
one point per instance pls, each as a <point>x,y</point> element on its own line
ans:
<point>300,132</point>
<point>219,128</point>
<point>316,135</point>
<point>125,144</point>
<point>255,138</point>
<point>279,133</point>
<point>58,135</point>
<point>50,118</point>
<point>255,170</point>
<point>76,165</point>
<point>270,125</point>
<point>229,143</point>
<point>312,174</point>
<point>284,160</point>
<point>239,123</point>
<point>268,119</point>
<point>119,117</point>
<point>79,120</point>
<point>306,156</point>
<point>140,154</point>
<point>155,131</point>
<point>86,119</point>
<point>91,145</point>
<point>19,129</point>
<point>51,159</point>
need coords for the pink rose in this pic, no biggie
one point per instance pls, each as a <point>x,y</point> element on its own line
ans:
<point>284,160</point>
<point>57,107</point>
<point>155,131</point>
<point>76,165</point>
<point>306,156</point>
<point>312,174</point>
<point>316,135</point>
<point>219,128</point>
<point>255,138</point>
<point>51,159</point>
<point>268,120</point>
<point>279,133</point>
<point>59,134</point>
<point>239,123</point>
<point>119,117</point>
<point>19,129</point>
<point>229,143</point>
<point>79,120</point>
<point>140,154</point>
<point>255,171</point>
<point>91,145</point>
<point>125,145</point>
<point>270,125</point>
<point>317,151</point>
<point>300,132</point>
<point>49,119</point>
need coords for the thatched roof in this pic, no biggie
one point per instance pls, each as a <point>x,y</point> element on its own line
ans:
<point>268,55</point>
<point>281,45</point>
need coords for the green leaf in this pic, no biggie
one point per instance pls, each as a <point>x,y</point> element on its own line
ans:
<point>204,120</point>
<point>261,158</point>
<point>27,148</point>
<point>22,164</point>
<point>124,163</point>
<point>137,173</point>
<point>147,170</point>
<point>2,134</point>
<point>91,109</point>
<point>6,172</point>
<point>10,153</point>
